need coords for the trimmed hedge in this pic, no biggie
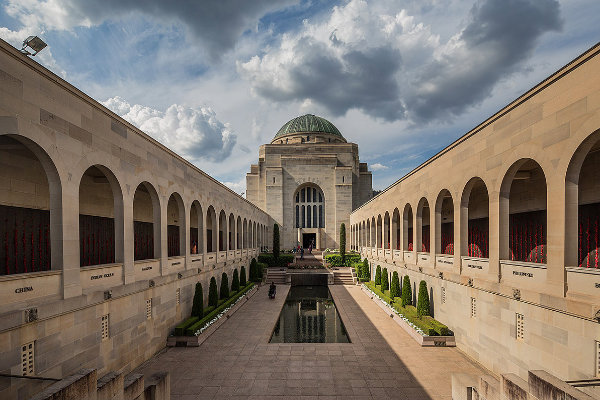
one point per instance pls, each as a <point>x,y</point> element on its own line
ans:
<point>366,274</point>
<point>423,300</point>
<point>213,295</point>
<point>385,284</point>
<point>235,281</point>
<point>378,275</point>
<point>343,242</point>
<point>242,276</point>
<point>406,292</point>
<point>191,329</point>
<point>395,286</point>
<point>428,325</point>
<point>224,292</point>
<point>260,270</point>
<point>335,260</point>
<point>276,252</point>
<point>198,302</point>
<point>282,261</point>
<point>180,329</point>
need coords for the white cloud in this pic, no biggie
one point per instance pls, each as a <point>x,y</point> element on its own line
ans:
<point>239,187</point>
<point>194,133</point>
<point>378,167</point>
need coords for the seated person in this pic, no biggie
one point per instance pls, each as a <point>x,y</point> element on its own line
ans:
<point>272,289</point>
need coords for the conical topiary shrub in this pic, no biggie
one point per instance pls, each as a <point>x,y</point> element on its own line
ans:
<point>198,303</point>
<point>235,281</point>
<point>224,292</point>
<point>213,296</point>
<point>243,276</point>
<point>253,270</point>
<point>385,284</point>
<point>423,300</point>
<point>378,275</point>
<point>365,270</point>
<point>406,292</point>
<point>395,286</point>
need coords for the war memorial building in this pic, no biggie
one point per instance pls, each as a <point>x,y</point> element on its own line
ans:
<point>104,232</point>
<point>309,179</point>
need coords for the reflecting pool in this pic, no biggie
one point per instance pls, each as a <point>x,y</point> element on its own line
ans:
<point>309,315</point>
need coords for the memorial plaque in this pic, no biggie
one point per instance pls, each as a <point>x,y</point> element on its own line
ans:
<point>102,276</point>
<point>583,281</point>
<point>409,257</point>
<point>474,266</point>
<point>398,255</point>
<point>176,264</point>
<point>423,258</point>
<point>15,288</point>
<point>522,274</point>
<point>146,269</point>
<point>444,261</point>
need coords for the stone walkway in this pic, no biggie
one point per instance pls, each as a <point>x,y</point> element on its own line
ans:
<point>382,362</point>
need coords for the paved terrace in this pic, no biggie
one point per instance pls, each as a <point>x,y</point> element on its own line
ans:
<point>382,362</point>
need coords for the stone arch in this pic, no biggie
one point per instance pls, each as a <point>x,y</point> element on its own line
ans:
<point>423,226</point>
<point>408,232</point>
<point>309,206</point>
<point>211,230</point>
<point>222,231</point>
<point>474,219</point>
<point>100,222</point>
<point>42,208</point>
<point>444,223</point>
<point>386,231</point>
<point>582,205</point>
<point>239,233</point>
<point>396,229</point>
<point>146,222</point>
<point>176,230</point>
<point>523,217</point>
<point>231,231</point>
<point>379,231</point>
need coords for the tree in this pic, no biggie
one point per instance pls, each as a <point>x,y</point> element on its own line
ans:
<point>253,270</point>
<point>224,292</point>
<point>365,270</point>
<point>406,292</point>
<point>343,243</point>
<point>243,276</point>
<point>423,300</point>
<point>385,283</point>
<point>198,303</point>
<point>213,296</point>
<point>378,275</point>
<point>235,281</point>
<point>395,286</point>
<point>276,241</point>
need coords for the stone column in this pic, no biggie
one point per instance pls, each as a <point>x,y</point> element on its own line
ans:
<point>128,239</point>
<point>69,242</point>
<point>164,246</point>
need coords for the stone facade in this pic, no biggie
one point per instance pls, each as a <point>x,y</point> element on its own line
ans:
<point>301,159</point>
<point>502,225</point>
<point>130,227</point>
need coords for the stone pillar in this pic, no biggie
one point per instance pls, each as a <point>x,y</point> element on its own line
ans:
<point>555,238</point>
<point>128,239</point>
<point>69,242</point>
<point>318,239</point>
<point>164,246</point>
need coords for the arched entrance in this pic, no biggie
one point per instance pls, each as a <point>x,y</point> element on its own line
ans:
<point>309,202</point>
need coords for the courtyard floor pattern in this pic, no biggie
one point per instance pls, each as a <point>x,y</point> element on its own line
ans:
<point>382,362</point>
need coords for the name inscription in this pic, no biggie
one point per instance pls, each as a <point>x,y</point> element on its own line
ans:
<point>597,285</point>
<point>107,275</point>
<point>24,289</point>
<point>445,262</point>
<point>146,268</point>
<point>519,273</point>
<point>176,263</point>
<point>475,266</point>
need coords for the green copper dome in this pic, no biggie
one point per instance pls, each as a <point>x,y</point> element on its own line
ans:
<point>308,124</point>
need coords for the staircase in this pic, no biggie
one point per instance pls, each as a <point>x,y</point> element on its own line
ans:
<point>344,276</point>
<point>275,275</point>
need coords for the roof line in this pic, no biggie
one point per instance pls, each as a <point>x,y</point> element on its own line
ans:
<point>560,73</point>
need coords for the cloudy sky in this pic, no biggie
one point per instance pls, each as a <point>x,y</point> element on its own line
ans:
<point>215,79</point>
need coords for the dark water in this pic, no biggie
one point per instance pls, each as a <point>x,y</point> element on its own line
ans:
<point>309,315</point>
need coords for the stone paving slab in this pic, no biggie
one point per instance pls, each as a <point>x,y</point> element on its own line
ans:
<point>382,362</point>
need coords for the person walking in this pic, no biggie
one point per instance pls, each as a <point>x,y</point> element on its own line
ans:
<point>302,253</point>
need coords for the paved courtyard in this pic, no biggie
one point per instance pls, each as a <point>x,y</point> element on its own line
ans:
<point>382,362</point>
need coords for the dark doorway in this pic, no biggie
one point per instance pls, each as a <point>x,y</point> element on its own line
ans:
<point>308,238</point>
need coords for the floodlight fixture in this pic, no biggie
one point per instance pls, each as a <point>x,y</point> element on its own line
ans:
<point>34,43</point>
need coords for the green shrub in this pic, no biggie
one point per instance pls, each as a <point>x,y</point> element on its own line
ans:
<point>406,292</point>
<point>235,281</point>
<point>198,303</point>
<point>377,290</point>
<point>213,295</point>
<point>385,283</point>
<point>242,276</point>
<point>440,328</point>
<point>253,270</point>
<point>282,261</point>
<point>180,329</point>
<point>335,260</point>
<point>365,270</point>
<point>378,275</point>
<point>343,243</point>
<point>224,292</point>
<point>395,286</point>
<point>212,312</point>
<point>260,270</point>
<point>423,300</point>
<point>276,241</point>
